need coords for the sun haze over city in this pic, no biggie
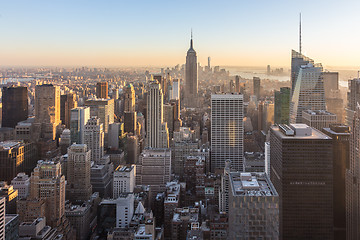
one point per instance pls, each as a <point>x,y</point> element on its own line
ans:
<point>156,33</point>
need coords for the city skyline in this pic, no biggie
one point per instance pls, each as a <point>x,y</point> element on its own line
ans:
<point>128,34</point>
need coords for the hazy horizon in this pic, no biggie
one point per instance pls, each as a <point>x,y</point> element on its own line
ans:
<point>141,33</point>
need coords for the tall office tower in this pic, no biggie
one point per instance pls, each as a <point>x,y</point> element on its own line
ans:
<point>237,84</point>
<point>253,207</point>
<point>268,70</point>
<point>191,77</point>
<point>318,119</point>
<point>124,180</point>
<point>102,90</point>
<point>2,218</point>
<point>267,158</point>
<point>130,123</point>
<point>154,168</point>
<point>333,98</point>
<point>22,183</point>
<point>353,96</point>
<point>47,110</point>
<point>169,118</point>
<point>282,106</point>
<point>156,129</point>
<point>78,120</point>
<point>14,106</point>
<point>340,135</point>
<point>94,138</point>
<point>67,102</point>
<point>297,60</point>
<point>209,65</point>
<point>268,115</point>
<point>232,86</point>
<point>129,98</point>
<point>256,86</point>
<point>103,109</point>
<point>301,170</point>
<point>308,93</point>
<point>78,187</point>
<point>227,131</point>
<point>48,184</point>
<point>353,173</point>
<point>175,89</point>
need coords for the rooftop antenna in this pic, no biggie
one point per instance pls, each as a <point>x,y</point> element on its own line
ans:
<point>300,34</point>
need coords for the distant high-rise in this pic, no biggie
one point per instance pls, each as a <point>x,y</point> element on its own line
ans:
<point>47,109</point>
<point>353,96</point>
<point>94,138</point>
<point>103,109</point>
<point>237,84</point>
<point>124,180</point>
<point>102,90</point>
<point>129,109</point>
<point>67,102</point>
<point>340,135</point>
<point>301,170</point>
<point>156,129</point>
<point>227,131</point>
<point>256,82</point>
<point>318,119</point>
<point>78,119</point>
<point>14,105</point>
<point>308,92</point>
<point>191,77</point>
<point>175,89</point>
<point>78,187</point>
<point>129,98</point>
<point>282,106</point>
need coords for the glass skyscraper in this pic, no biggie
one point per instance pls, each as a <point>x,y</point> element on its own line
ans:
<point>307,87</point>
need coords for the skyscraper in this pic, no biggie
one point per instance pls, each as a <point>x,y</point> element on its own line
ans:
<point>301,170</point>
<point>48,184</point>
<point>282,106</point>
<point>157,134</point>
<point>297,60</point>
<point>308,92</point>
<point>47,110</point>
<point>103,109</point>
<point>353,96</point>
<point>78,187</point>
<point>340,135</point>
<point>237,84</point>
<point>191,77</point>
<point>353,179</point>
<point>94,138</point>
<point>227,131</point>
<point>129,98</point>
<point>14,106</point>
<point>102,90</point>
<point>78,119</point>
<point>67,102</point>
<point>256,83</point>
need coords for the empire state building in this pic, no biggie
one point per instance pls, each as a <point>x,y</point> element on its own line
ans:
<point>191,79</point>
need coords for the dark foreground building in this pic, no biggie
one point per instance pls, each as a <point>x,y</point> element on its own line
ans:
<point>301,171</point>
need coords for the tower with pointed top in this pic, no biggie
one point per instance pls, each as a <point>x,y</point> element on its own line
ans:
<point>191,77</point>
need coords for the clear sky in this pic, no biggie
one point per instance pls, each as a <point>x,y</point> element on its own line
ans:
<point>156,33</point>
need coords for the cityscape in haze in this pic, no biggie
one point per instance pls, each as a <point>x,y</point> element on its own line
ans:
<point>190,120</point>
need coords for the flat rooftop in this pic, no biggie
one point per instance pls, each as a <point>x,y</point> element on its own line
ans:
<point>298,130</point>
<point>251,184</point>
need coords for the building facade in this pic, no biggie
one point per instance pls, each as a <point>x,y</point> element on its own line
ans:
<point>227,131</point>
<point>14,106</point>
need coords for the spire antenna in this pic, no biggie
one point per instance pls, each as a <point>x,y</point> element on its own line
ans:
<point>300,34</point>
